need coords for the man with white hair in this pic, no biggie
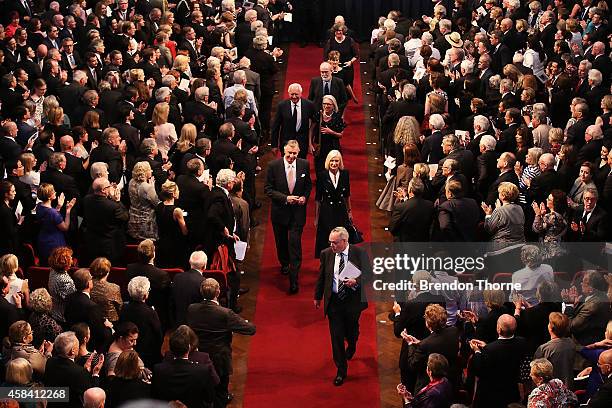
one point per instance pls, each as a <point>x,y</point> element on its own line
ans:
<point>593,136</point>
<point>185,288</point>
<point>94,398</point>
<point>486,164</point>
<point>202,113</point>
<point>240,81</point>
<point>481,127</point>
<point>431,152</point>
<point>253,78</point>
<point>601,61</point>
<point>541,186</point>
<point>293,119</point>
<point>62,371</point>
<point>597,90</point>
<point>426,39</point>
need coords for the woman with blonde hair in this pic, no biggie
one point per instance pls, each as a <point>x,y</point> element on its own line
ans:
<point>329,128</point>
<point>30,176</point>
<point>400,180</point>
<point>185,145</point>
<point>9,266</point>
<point>181,64</point>
<point>52,224</point>
<point>406,131</point>
<point>43,324</point>
<point>172,244</point>
<point>143,199</point>
<point>333,202</point>
<point>56,124</point>
<point>20,337</point>
<point>506,222</point>
<point>165,133</point>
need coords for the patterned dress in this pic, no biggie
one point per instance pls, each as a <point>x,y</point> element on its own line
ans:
<point>551,227</point>
<point>143,200</point>
<point>552,394</point>
<point>60,287</point>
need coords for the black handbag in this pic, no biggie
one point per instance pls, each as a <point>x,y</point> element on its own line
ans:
<point>355,236</point>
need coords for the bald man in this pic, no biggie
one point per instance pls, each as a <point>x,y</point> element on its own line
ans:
<point>498,366</point>
<point>293,120</point>
<point>94,398</point>
<point>326,84</point>
<point>603,396</point>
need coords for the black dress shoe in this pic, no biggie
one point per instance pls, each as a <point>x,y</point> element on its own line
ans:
<point>339,380</point>
<point>294,289</point>
<point>242,291</point>
<point>350,352</point>
<point>284,270</point>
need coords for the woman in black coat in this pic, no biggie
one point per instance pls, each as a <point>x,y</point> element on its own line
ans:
<point>333,205</point>
<point>8,220</point>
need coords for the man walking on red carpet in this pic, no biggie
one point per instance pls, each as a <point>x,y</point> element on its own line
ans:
<point>288,185</point>
<point>342,294</point>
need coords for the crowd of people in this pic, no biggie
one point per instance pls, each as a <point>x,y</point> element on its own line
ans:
<point>143,123</point>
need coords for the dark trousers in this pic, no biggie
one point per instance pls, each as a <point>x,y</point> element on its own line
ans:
<point>265,111</point>
<point>343,325</point>
<point>221,391</point>
<point>288,240</point>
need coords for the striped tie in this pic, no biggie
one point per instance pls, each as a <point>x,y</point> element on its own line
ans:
<point>341,287</point>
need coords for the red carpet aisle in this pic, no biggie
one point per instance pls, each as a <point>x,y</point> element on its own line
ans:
<point>290,363</point>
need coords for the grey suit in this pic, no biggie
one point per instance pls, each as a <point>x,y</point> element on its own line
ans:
<point>589,317</point>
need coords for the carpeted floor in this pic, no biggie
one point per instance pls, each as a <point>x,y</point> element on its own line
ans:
<point>290,362</point>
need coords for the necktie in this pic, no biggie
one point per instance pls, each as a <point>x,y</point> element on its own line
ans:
<point>71,60</point>
<point>291,179</point>
<point>27,7</point>
<point>341,287</point>
<point>294,117</point>
<point>93,75</point>
<point>585,217</point>
<point>326,88</point>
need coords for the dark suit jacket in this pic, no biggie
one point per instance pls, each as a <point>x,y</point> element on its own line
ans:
<point>111,156</point>
<point>105,221</point>
<point>509,176</point>
<point>200,114</point>
<point>486,172</point>
<point>575,133</point>
<point>277,190</point>
<point>160,284</point>
<point>411,220</point>
<point>185,291</point>
<point>81,309</point>
<point>507,139</point>
<point>220,216</point>
<point>466,165</point>
<point>432,152</point>
<point>63,372</point>
<point>183,380</point>
<point>63,183</point>
<point>590,152</point>
<point>500,58</point>
<point>214,325</point>
<point>9,314</point>
<point>23,195</point>
<point>603,396</point>
<point>597,227</point>
<point>150,334</point>
<point>400,108</point>
<point>458,219</point>
<point>70,97</point>
<point>9,148</point>
<point>542,185</point>
<point>353,302</point>
<point>264,64</point>
<point>337,89</point>
<point>193,199</point>
<point>283,128</point>
<point>498,368</point>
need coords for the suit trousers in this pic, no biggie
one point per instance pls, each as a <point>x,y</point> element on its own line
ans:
<point>343,324</point>
<point>221,392</point>
<point>265,111</point>
<point>288,240</point>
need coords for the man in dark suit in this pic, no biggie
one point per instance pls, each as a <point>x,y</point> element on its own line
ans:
<point>411,219</point>
<point>505,165</point>
<point>590,222</point>
<point>159,279</point>
<point>501,54</point>
<point>62,371</point>
<point>70,59</point>
<point>458,216</point>
<point>342,296</point>
<point>486,166</point>
<point>149,65</point>
<point>185,286</point>
<point>575,133</point>
<point>601,61</point>
<point>111,151</point>
<point>70,95</point>
<point>591,150</point>
<point>603,396</point>
<point>506,139</point>
<point>81,309</point>
<point>181,378</point>
<point>10,150</point>
<point>541,186</point>
<point>93,71</point>
<point>326,84</point>
<point>498,365</point>
<point>14,170</point>
<point>221,225</point>
<point>104,219</point>
<point>407,105</point>
<point>214,326</point>
<point>200,113</point>
<point>8,95</point>
<point>465,158</point>
<point>589,312</point>
<point>293,120</point>
<point>24,130</point>
<point>54,174</point>
<point>224,149</point>
<point>288,185</point>
<point>195,192</point>
<point>432,150</point>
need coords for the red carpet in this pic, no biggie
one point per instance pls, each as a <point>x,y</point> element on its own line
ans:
<point>290,362</point>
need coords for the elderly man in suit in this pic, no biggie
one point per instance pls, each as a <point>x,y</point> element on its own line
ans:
<point>195,192</point>
<point>342,295</point>
<point>326,84</point>
<point>288,185</point>
<point>603,396</point>
<point>591,311</point>
<point>214,325</point>
<point>293,120</point>
<point>411,218</point>
<point>185,287</point>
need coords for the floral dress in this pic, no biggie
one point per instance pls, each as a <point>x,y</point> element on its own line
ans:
<point>552,394</point>
<point>551,227</point>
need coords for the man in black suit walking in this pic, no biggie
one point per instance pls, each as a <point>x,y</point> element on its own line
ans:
<point>288,185</point>
<point>343,299</point>
<point>186,286</point>
<point>326,84</point>
<point>214,325</point>
<point>293,120</point>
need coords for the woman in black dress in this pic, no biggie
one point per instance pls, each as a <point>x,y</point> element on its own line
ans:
<point>8,220</point>
<point>333,205</point>
<point>329,126</point>
<point>172,248</point>
<point>342,73</point>
<point>349,54</point>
